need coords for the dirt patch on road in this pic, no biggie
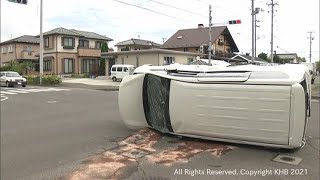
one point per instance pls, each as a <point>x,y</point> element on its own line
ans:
<point>124,160</point>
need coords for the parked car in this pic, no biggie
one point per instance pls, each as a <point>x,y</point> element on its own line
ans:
<point>11,79</point>
<point>250,104</point>
<point>118,71</point>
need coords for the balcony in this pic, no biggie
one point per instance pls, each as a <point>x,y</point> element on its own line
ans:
<point>89,52</point>
<point>28,55</point>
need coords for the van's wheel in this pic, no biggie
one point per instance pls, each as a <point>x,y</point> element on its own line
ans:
<point>7,84</point>
<point>114,79</point>
<point>23,85</point>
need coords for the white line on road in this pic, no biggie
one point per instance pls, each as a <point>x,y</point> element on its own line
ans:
<point>17,91</point>
<point>6,92</point>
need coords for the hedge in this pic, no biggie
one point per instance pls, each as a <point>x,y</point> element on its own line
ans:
<point>46,79</point>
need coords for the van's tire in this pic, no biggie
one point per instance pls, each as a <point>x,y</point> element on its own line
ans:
<point>24,85</point>
<point>114,79</point>
<point>7,84</point>
<point>312,81</point>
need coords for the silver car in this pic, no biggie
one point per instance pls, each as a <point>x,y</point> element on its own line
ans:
<point>11,79</point>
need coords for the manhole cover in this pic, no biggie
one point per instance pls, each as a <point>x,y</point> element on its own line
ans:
<point>287,159</point>
<point>154,178</point>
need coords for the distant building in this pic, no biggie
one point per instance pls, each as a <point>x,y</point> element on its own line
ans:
<point>149,56</point>
<point>247,59</point>
<point>196,40</point>
<point>20,49</point>
<point>136,44</point>
<point>289,57</point>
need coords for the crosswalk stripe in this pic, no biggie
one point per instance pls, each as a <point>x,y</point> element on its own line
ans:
<point>6,92</point>
<point>16,91</point>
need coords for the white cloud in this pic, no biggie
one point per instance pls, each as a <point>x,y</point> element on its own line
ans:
<point>118,21</point>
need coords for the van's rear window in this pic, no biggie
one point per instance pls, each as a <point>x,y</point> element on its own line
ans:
<point>156,91</point>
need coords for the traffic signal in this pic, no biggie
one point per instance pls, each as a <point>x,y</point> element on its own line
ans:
<point>235,21</point>
<point>25,2</point>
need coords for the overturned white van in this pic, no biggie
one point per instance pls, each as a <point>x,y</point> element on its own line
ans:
<point>260,105</point>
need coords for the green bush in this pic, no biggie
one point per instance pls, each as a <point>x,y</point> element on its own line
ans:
<point>85,75</point>
<point>46,80</point>
<point>17,67</point>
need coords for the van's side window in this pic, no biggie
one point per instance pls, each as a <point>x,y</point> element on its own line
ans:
<point>113,69</point>
<point>125,69</point>
<point>119,69</point>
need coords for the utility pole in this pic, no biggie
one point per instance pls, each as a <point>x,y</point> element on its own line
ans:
<point>253,24</point>
<point>257,10</point>
<point>311,38</point>
<point>272,11</point>
<point>163,40</point>
<point>41,44</point>
<point>209,44</point>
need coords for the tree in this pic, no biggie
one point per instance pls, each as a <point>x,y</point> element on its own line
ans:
<point>318,65</point>
<point>263,55</point>
<point>102,62</point>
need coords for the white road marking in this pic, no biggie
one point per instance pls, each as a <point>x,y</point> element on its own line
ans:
<point>17,91</point>
<point>5,92</point>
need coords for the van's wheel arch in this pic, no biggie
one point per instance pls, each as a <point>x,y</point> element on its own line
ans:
<point>114,79</point>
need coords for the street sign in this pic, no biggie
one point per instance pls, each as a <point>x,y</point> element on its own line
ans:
<point>25,2</point>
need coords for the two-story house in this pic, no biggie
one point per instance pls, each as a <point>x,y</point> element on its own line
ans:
<point>70,51</point>
<point>136,44</point>
<point>20,49</point>
<point>196,40</point>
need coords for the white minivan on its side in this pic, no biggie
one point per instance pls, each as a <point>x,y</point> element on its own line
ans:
<point>118,71</point>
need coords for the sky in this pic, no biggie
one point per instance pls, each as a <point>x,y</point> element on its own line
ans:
<point>293,20</point>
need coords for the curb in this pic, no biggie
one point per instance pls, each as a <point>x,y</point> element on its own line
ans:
<point>86,86</point>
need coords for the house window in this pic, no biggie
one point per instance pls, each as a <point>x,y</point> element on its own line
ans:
<point>83,43</point>
<point>98,44</point>
<point>68,66</point>
<point>220,42</point>
<point>88,65</point>
<point>10,49</point>
<point>4,50</point>
<point>47,65</point>
<point>168,60</point>
<point>68,42</point>
<point>46,42</point>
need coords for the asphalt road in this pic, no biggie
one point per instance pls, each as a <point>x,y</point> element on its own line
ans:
<point>45,135</point>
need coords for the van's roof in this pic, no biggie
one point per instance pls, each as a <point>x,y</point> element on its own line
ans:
<point>122,65</point>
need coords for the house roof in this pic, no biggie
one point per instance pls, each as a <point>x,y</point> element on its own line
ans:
<point>73,32</point>
<point>197,37</point>
<point>137,42</point>
<point>24,39</point>
<point>248,58</point>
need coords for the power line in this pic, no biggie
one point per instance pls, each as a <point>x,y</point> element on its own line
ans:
<point>272,11</point>
<point>147,9</point>
<point>178,8</point>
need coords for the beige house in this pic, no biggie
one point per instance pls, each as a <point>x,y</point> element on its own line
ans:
<point>70,51</point>
<point>196,40</point>
<point>136,44</point>
<point>150,56</point>
<point>21,49</point>
<point>289,57</point>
